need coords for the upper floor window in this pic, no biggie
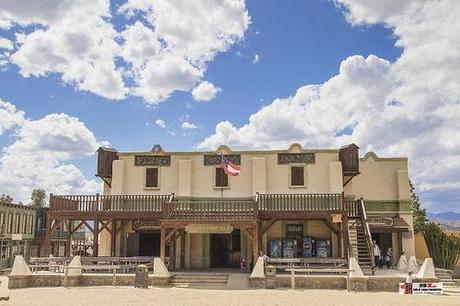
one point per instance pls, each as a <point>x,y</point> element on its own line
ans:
<point>151,178</point>
<point>297,176</point>
<point>221,179</point>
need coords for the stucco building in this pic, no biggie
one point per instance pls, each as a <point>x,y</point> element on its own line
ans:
<point>288,203</point>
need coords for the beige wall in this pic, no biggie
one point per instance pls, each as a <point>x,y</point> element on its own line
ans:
<point>380,179</point>
<point>187,175</point>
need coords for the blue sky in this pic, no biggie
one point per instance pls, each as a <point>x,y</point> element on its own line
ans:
<point>305,42</point>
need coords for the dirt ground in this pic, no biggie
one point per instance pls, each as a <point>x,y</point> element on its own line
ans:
<point>182,296</point>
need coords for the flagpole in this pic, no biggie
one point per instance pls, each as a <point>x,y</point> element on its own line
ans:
<point>222,176</point>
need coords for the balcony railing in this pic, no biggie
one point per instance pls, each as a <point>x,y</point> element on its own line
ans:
<point>93,203</point>
<point>299,202</point>
<point>215,209</point>
<point>211,210</point>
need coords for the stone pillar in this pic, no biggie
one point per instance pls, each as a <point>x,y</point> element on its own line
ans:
<point>185,178</point>
<point>335,177</point>
<point>259,175</point>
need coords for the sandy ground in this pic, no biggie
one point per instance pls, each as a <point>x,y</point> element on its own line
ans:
<point>182,296</point>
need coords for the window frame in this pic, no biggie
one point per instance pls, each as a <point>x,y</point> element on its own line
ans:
<point>158,178</point>
<point>214,179</point>
<point>305,176</point>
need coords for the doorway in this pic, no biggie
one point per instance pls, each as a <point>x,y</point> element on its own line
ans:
<point>384,241</point>
<point>149,244</point>
<point>225,249</point>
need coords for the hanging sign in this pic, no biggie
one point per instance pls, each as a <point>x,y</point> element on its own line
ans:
<point>209,228</point>
<point>336,218</point>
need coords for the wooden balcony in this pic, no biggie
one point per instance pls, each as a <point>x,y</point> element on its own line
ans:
<point>109,206</point>
<point>166,207</point>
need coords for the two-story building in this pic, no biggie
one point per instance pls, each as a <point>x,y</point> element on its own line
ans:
<point>290,203</point>
<point>17,232</point>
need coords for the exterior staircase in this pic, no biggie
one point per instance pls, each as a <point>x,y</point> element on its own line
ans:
<point>359,245</point>
<point>199,279</point>
<point>359,236</point>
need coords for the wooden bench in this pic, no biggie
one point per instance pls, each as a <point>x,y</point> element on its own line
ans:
<point>307,262</point>
<point>308,271</point>
<point>97,267</point>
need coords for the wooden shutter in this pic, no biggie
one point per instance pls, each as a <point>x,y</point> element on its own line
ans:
<point>151,177</point>
<point>221,178</point>
<point>297,176</point>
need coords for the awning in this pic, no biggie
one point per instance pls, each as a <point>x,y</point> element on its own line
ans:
<point>387,224</point>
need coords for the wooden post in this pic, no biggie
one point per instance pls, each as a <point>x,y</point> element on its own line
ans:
<point>66,273</point>
<point>96,238</point>
<point>182,249</point>
<point>47,244</point>
<point>163,243</point>
<point>292,279</point>
<point>69,241</point>
<point>114,237</point>
<point>255,244</point>
<point>114,277</point>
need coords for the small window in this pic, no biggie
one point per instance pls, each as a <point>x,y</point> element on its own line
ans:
<point>297,176</point>
<point>151,177</point>
<point>221,178</point>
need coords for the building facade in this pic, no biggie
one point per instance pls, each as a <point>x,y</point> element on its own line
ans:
<point>17,232</point>
<point>291,203</point>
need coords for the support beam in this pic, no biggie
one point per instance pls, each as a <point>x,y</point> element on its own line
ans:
<point>255,244</point>
<point>96,238</point>
<point>163,244</point>
<point>114,237</point>
<point>267,226</point>
<point>182,249</point>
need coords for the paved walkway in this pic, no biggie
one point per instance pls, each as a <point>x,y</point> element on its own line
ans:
<point>176,296</point>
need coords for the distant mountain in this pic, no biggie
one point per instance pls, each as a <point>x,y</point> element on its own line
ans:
<point>446,216</point>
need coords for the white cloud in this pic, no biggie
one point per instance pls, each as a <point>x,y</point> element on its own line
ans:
<point>186,125</point>
<point>10,116</point>
<point>160,123</point>
<point>6,44</point>
<point>40,156</point>
<point>186,35</point>
<point>409,107</point>
<point>256,59</point>
<point>83,55</point>
<point>166,49</point>
<point>205,91</point>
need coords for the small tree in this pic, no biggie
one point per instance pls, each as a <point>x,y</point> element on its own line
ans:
<point>418,213</point>
<point>4,198</point>
<point>38,197</point>
<point>443,248</point>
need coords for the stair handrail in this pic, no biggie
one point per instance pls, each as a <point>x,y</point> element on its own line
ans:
<point>350,245</point>
<point>367,232</point>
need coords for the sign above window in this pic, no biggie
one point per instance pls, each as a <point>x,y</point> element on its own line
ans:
<point>152,160</point>
<point>211,160</point>
<point>296,158</point>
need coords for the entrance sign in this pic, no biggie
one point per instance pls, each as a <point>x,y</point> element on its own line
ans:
<point>423,288</point>
<point>379,221</point>
<point>209,228</point>
<point>336,218</point>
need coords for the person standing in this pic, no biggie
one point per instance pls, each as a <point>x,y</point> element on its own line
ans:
<point>376,253</point>
<point>408,282</point>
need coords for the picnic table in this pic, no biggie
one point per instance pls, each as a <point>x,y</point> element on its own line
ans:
<point>318,270</point>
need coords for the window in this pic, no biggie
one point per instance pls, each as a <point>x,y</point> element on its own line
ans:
<point>297,176</point>
<point>151,178</point>
<point>221,179</point>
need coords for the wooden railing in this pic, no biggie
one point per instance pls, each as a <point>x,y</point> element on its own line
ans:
<point>367,232</point>
<point>299,202</point>
<point>212,210</point>
<point>197,210</point>
<point>92,203</point>
<point>352,208</point>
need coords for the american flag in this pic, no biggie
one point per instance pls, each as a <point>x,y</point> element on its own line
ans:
<point>229,167</point>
